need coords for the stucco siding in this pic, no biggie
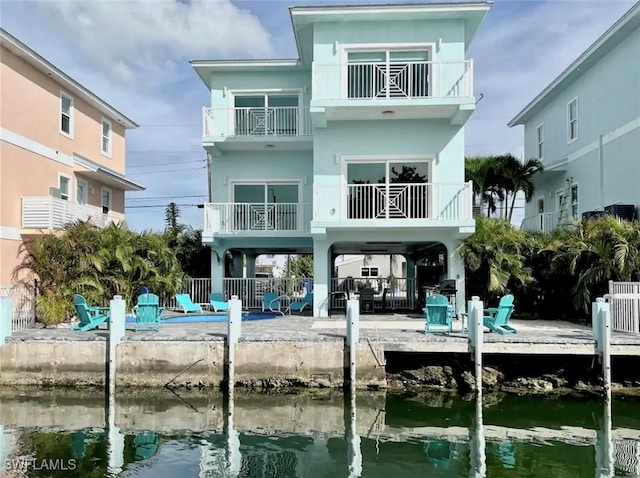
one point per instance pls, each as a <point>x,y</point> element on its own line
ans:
<point>261,166</point>
<point>31,108</point>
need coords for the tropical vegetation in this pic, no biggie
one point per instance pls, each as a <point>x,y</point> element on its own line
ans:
<point>98,263</point>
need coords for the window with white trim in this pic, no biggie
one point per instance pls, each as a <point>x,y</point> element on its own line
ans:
<point>572,119</point>
<point>66,114</point>
<point>378,74</point>
<point>368,272</point>
<point>82,191</point>
<point>106,137</point>
<point>106,200</point>
<point>540,141</point>
<point>64,183</point>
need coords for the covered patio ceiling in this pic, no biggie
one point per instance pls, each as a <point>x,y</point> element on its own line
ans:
<point>404,248</point>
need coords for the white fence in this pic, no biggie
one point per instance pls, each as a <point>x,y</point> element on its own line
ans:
<point>625,306</point>
<point>23,302</point>
<point>198,288</point>
<point>544,222</point>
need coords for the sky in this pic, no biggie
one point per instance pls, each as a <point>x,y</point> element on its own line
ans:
<point>134,54</point>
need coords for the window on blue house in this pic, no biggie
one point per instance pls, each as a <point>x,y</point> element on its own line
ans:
<point>388,74</point>
<point>266,114</point>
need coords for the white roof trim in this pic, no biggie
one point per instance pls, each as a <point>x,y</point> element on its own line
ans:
<point>68,83</point>
<point>243,63</point>
<point>407,8</point>
<point>604,38</point>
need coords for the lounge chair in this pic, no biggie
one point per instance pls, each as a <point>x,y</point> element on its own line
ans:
<point>496,319</point>
<point>216,299</point>
<point>437,313</point>
<point>90,317</point>
<point>271,302</point>
<point>367,301</point>
<point>186,304</point>
<point>148,312</point>
<point>299,306</point>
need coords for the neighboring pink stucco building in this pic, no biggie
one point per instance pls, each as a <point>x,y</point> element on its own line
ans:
<point>62,152</point>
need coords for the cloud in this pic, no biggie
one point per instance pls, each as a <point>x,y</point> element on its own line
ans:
<point>127,39</point>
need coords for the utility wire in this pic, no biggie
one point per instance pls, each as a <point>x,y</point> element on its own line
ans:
<point>137,173</point>
<point>145,206</point>
<point>167,197</point>
<point>172,163</point>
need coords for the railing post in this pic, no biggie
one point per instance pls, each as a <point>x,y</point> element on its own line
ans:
<point>6,312</point>
<point>233,335</point>
<point>475,309</point>
<point>353,337</point>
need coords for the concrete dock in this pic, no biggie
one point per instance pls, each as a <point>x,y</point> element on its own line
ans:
<point>292,350</point>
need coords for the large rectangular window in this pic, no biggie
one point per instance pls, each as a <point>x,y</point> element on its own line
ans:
<point>266,206</point>
<point>389,74</point>
<point>106,200</point>
<point>66,114</point>
<point>64,185</point>
<point>572,120</point>
<point>388,189</point>
<point>272,114</point>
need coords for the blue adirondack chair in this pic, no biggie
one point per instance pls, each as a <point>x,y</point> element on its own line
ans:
<point>90,317</point>
<point>146,444</point>
<point>496,319</point>
<point>216,299</point>
<point>186,304</point>
<point>437,314</point>
<point>148,312</point>
<point>271,302</point>
<point>300,305</point>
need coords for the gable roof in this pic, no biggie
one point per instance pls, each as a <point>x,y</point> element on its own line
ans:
<point>39,62</point>
<point>620,30</point>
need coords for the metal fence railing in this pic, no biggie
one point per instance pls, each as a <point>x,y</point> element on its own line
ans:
<point>625,306</point>
<point>23,305</point>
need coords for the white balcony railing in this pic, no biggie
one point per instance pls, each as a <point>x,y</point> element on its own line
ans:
<point>285,121</point>
<point>393,80</point>
<point>231,218</point>
<point>48,212</point>
<point>421,201</point>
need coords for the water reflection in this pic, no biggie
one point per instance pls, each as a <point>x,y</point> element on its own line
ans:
<point>315,434</point>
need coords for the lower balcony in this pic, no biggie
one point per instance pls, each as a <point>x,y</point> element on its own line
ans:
<point>257,219</point>
<point>394,205</point>
<point>50,213</point>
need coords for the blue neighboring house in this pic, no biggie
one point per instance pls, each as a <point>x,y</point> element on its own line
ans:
<point>355,147</point>
<point>585,128</point>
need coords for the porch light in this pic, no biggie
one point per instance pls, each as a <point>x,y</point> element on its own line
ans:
<point>388,112</point>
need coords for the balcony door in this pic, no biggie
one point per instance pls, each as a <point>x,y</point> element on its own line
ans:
<point>270,114</point>
<point>388,189</point>
<point>269,206</point>
<point>388,74</point>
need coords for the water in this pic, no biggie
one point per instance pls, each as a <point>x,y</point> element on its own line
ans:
<point>314,434</point>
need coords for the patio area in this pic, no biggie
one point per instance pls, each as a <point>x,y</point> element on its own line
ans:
<point>393,332</point>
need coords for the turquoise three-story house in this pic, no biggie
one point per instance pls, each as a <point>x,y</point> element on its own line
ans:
<point>355,147</point>
<point>585,128</point>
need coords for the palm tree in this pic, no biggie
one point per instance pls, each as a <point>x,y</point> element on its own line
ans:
<point>517,176</point>
<point>481,171</point>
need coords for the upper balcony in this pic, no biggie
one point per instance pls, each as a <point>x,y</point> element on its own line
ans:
<point>246,128</point>
<point>393,205</point>
<point>393,89</point>
<point>52,213</point>
<point>257,219</point>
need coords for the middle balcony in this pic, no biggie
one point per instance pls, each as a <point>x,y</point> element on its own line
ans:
<point>257,127</point>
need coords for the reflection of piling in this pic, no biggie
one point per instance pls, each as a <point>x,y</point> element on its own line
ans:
<point>601,324</point>
<point>354,452</point>
<point>605,450</point>
<point>476,340</point>
<point>477,444</point>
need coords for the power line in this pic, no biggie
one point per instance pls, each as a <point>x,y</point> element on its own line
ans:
<point>170,125</point>
<point>145,206</point>
<point>171,163</point>
<point>168,197</point>
<point>165,171</point>
<point>166,151</point>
